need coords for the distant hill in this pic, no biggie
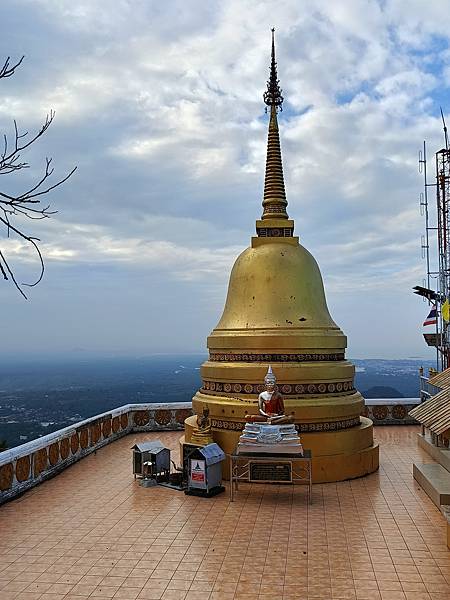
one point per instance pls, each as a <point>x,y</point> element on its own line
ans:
<point>402,376</point>
<point>381,391</point>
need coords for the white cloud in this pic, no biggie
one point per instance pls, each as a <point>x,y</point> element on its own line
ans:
<point>161,108</point>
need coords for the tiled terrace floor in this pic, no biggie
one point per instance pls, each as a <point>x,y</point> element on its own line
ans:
<point>93,532</point>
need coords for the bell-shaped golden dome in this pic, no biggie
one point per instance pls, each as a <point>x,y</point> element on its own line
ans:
<point>276,285</point>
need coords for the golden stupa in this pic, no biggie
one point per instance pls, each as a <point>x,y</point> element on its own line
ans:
<point>276,314</point>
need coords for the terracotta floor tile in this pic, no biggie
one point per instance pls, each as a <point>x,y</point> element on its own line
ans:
<point>111,580</point>
<point>373,538</point>
<point>206,575</point>
<point>126,594</point>
<point>413,586</point>
<point>432,577</point>
<point>185,575</point>
<point>12,595</point>
<point>174,595</point>
<point>368,595</point>
<point>179,584</point>
<point>388,576</point>
<point>390,586</point>
<point>342,583</point>
<point>150,594</point>
<point>348,594</point>
<point>153,584</point>
<point>34,587</point>
<point>28,596</point>
<point>363,574</point>
<point>15,586</point>
<point>225,586</point>
<point>135,582</point>
<point>437,587</point>
<point>104,592</point>
<point>403,560</point>
<point>409,577</point>
<point>428,567</point>
<point>255,578</point>
<point>82,589</point>
<point>406,569</point>
<point>202,596</point>
<point>60,588</point>
<point>365,584</point>
<point>166,563</point>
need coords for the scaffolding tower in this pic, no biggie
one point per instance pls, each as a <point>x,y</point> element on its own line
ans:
<point>437,255</point>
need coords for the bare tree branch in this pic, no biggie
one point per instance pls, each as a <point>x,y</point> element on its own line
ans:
<point>6,70</point>
<point>27,202</point>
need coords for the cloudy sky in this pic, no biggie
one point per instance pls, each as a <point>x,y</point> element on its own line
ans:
<point>160,106</point>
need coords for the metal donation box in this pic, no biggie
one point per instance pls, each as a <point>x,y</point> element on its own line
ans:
<point>151,460</point>
<point>205,471</point>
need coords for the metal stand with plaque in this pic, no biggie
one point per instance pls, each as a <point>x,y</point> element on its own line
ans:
<point>266,468</point>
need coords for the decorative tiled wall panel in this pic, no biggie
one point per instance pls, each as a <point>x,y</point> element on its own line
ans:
<point>389,414</point>
<point>27,465</point>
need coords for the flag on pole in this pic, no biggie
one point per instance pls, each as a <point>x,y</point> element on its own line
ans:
<point>432,318</point>
<point>445,311</point>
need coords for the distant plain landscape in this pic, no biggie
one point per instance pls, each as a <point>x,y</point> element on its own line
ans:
<point>38,397</point>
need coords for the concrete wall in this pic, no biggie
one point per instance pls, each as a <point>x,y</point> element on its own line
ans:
<point>390,411</point>
<point>27,465</point>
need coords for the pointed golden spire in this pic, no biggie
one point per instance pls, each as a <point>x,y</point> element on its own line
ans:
<point>274,203</point>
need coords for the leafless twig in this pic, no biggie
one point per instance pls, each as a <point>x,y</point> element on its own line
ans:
<point>27,202</point>
<point>7,70</point>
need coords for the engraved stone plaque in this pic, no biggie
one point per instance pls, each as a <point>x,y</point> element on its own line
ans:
<point>270,472</point>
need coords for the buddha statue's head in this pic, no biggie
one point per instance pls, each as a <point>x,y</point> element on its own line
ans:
<point>270,380</point>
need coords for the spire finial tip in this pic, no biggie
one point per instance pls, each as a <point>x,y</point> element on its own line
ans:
<point>272,96</point>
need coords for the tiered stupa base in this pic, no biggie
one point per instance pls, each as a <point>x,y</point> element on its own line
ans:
<point>341,442</point>
<point>336,455</point>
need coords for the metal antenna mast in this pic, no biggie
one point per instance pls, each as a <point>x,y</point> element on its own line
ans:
<point>443,199</point>
<point>424,210</point>
<point>445,129</point>
<point>437,264</point>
